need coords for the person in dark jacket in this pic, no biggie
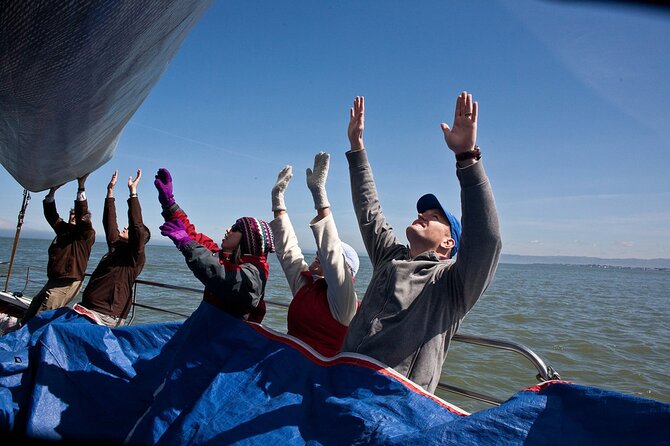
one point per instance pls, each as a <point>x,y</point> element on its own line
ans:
<point>235,273</point>
<point>107,297</point>
<point>68,253</point>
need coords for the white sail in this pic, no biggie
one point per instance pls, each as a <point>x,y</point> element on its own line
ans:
<point>73,74</point>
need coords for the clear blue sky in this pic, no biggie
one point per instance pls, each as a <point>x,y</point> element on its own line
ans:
<point>574,120</point>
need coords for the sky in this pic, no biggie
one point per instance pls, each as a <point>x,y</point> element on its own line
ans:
<point>574,119</point>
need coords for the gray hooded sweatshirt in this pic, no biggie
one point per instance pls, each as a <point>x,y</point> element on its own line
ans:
<point>414,306</point>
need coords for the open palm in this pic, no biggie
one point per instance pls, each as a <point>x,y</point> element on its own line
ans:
<point>463,135</point>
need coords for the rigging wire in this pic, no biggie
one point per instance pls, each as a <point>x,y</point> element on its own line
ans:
<point>19,224</point>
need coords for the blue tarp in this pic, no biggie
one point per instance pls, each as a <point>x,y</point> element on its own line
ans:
<point>216,380</point>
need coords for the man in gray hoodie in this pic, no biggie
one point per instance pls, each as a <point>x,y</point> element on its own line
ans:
<point>419,294</point>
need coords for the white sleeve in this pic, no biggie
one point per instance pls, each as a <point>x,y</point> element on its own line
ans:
<point>288,252</point>
<point>342,298</point>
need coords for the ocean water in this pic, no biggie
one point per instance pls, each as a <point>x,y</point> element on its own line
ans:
<point>604,327</point>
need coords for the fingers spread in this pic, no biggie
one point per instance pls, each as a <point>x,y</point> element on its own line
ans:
<point>359,107</point>
<point>458,110</point>
<point>468,103</point>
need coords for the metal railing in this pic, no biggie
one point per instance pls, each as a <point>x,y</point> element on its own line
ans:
<point>545,372</point>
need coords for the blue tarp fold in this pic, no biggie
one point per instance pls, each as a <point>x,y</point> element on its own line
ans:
<point>217,380</point>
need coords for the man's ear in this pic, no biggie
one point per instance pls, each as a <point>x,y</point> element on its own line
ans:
<point>448,243</point>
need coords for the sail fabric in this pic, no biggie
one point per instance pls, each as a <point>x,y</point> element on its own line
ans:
<point>73,73</point>
<point>217,380</point>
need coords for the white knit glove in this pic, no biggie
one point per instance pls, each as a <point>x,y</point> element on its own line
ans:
<point>316,181</point>
<point>279,188</point>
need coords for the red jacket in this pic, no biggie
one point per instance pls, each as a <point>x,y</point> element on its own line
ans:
<point>310,320</point>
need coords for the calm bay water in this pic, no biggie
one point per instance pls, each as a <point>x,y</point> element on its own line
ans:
<point>605,327</point>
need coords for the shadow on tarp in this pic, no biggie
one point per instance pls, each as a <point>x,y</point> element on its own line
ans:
<point>232,383</point>
<point>61,370</point>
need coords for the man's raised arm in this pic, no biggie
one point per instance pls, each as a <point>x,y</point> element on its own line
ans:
<point>109,212</point>
<point>377,234</point>
<point>480,243</point>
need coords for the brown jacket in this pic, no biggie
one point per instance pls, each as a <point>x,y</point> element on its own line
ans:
<point>110,288</point>
<point>71,248</point>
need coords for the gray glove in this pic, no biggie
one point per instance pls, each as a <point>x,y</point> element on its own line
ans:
<point>279,188</point>
<point>316,181</point>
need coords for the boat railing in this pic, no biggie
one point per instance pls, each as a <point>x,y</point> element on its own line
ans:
<point>545,371</point>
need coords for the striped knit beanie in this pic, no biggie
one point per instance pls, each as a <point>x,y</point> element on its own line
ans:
<point>256,236</point>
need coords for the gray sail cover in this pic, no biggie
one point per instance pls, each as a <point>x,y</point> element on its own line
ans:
<point>72,73</point>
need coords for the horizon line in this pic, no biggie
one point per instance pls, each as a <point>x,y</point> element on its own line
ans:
<point>553,256</point>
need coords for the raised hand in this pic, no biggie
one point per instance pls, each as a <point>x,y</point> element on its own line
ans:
<point>175,231</point>
<point>132,184</point>
<point>111,184</point>
<point>163,183</point>
<point>357,123</point>
<point>52,191</point>
<point>283,178</point>
<point>316,180</point>
<point>112,181</point>
<point>81,181</point>
<point>463,135</point>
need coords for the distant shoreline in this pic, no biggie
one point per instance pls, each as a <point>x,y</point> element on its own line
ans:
<point>660,263</point>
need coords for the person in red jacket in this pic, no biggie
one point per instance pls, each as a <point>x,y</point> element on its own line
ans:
<point>324,300</point>
<point>236,275</point>
<point>68,253</point>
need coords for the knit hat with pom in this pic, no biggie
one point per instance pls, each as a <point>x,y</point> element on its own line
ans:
<point>256,236</point>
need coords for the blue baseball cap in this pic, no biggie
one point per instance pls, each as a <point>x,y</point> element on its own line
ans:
<point>430,201</point>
